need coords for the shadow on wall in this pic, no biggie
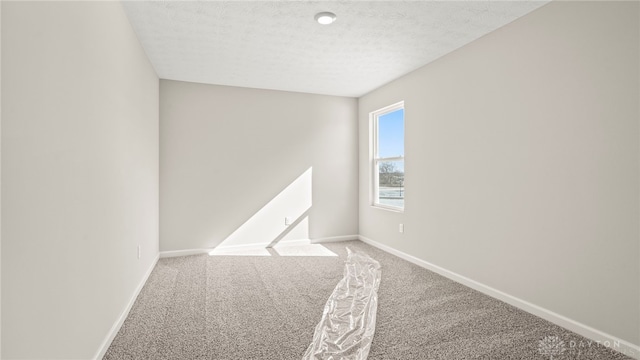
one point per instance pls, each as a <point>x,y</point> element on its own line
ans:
<point>281,227</point>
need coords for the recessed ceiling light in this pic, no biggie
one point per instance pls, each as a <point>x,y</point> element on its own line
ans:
<point>325,18</point>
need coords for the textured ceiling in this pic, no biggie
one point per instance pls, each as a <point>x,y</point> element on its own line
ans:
<point>278,45</point>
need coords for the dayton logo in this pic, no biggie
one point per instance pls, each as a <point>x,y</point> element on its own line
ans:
<point>551,346</point>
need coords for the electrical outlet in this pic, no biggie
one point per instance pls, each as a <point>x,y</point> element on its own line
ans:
<point>287,221</point>
<point>401,228</point>
<point>138,252</point>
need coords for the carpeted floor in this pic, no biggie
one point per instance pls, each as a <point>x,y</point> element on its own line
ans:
<point>266,307</point>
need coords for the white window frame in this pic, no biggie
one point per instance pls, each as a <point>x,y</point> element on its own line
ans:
<point>375,160</point>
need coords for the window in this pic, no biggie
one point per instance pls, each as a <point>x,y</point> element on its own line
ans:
<point>387,150</point>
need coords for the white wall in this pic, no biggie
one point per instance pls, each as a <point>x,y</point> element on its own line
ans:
<point>236,161</point>
<point>80,180</point>
<point>522,163</point>
<point>0,178</point>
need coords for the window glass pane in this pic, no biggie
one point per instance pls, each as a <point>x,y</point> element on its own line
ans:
<point>391,134</point>
<point>391,183</point>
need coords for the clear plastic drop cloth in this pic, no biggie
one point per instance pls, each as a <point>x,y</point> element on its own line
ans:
<point>348,322</point>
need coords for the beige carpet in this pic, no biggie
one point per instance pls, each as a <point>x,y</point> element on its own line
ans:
<point>266,307</point>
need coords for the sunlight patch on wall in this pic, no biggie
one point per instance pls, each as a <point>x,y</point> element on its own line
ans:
<point>267,233</point>
<point>283,219</point>
<point>268,223</point>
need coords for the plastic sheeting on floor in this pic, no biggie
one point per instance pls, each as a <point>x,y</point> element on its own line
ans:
<point>348,322</point>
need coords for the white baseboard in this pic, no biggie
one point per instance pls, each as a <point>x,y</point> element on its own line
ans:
<point>187,252</point>
<point>174,253</point>
<point>598,336</point>
<point>334,239</point>
<point>294,242</point>
<point>116,326</point>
